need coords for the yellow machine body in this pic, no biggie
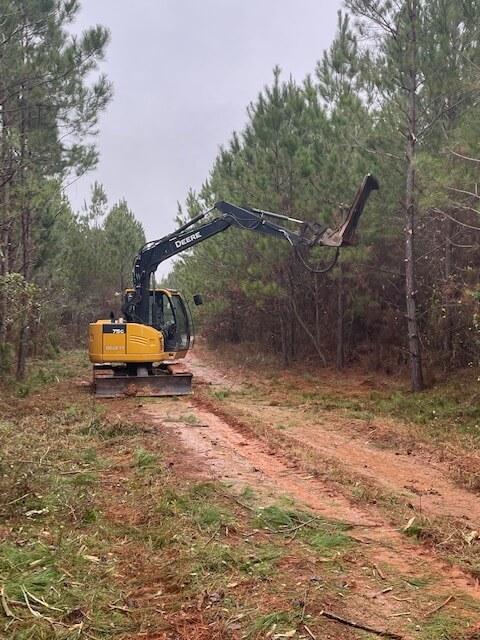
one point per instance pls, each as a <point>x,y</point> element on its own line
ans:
<point>128,342</point>
<point>116,342</point>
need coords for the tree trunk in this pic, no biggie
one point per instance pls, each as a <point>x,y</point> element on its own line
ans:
<point>410,206</point>
<point>4,261</point>
<point>284,339</point>
<point>22,344</point>
<point>304,326</point>
<point>317,308</point>
<point>340,357</point>
<point>4,225</point>
<point>447,336</point>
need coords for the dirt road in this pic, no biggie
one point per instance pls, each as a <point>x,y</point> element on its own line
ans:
<point>209,438</point>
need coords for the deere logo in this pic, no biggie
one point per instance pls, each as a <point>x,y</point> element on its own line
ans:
<point>188,239</point>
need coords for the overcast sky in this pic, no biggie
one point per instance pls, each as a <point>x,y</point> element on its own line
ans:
<point>184,72</point>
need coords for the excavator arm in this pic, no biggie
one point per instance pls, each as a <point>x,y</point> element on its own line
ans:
<point>192,233</point>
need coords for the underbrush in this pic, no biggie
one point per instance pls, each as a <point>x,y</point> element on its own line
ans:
<point>61,366</point>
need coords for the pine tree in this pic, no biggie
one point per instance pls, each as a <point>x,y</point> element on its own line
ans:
<point>124,236</point>
<point>394,29</point>
<point>49,112</point>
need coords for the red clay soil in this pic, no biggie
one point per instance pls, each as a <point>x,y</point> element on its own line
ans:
<point>425,483</point>
<point>230,455</point>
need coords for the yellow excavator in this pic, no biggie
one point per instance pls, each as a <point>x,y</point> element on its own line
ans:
<point>138,353</point>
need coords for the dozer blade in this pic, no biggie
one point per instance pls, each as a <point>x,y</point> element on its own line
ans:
<point>116,382</point>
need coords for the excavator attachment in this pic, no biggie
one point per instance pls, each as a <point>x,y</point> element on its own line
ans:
<point>344,235</point>
<point>121,381</point>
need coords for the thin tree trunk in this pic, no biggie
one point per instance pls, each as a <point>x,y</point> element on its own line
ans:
<point>26,254</point>
<point>317,309</point>
<point>4,262</point>
<point>22,345</point>
<point>284,339</point>
<point>304,326</point>
<point>5,228</point>
<point>410,206</point>
<point>447,336</point>
<point>340,358</point>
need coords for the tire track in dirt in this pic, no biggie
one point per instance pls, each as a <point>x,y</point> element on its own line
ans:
<point>226,455</point>
<point>424,484</point>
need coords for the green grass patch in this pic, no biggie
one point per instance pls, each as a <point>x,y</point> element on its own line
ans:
<point>440,627</point>
<point>144,459</point>
<point>261,561</point>
<point>447,409</point>
<point>277,621</point>
<point>327,541</point>
<point>108,429</point>
<point>189,418</point>
<point>221,394</point>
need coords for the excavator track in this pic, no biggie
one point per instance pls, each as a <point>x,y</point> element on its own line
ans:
<point>117,382</point>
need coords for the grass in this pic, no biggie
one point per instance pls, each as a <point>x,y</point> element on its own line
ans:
<point>189,418</point>
<point>91,514</point>
<point>447,537</point>
<point>100,538</point>
<point>440,627</point>
<point>325,537</point>
<point>143,459</point>
<point>446,410</point>
<point>449,410</point>
<point>276,621</point>
<point>221,394</point>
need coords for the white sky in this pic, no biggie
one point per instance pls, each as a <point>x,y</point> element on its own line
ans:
<point>184,72</point>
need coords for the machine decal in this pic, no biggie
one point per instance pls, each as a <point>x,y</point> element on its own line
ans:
<point>188,239</point>
<point>115,328</point>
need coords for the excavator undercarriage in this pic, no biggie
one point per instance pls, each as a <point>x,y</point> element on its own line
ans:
<point>111,381</point>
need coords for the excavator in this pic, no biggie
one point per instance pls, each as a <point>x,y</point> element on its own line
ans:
<point>138,353</point>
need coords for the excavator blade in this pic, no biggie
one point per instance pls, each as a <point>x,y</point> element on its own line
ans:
<point>117,382</point>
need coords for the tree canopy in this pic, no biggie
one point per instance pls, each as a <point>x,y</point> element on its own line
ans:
<point>396,94</point>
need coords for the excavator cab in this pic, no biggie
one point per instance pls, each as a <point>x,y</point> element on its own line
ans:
<point>169,314</point>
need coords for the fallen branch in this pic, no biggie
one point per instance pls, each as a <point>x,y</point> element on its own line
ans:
<point>35,614</point>
<point>239,502</point>
<point>25,495</point>
<point>402,599</point>
<point>117,608</point>
<point>358,625</point>
<point>379,571</point>
<point>310,633</point>
<point>383,591</point>
<point>212,536</point>
<point>42,602</point>
<point>296,529</point>
<point>440,606</point>
<point>6,608</point>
